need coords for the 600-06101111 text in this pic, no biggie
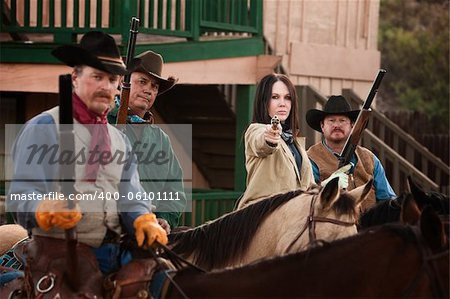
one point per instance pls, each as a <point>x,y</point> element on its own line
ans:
<point>153,196</point>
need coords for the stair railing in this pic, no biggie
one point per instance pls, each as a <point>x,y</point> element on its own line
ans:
<point>397,166</point>
<point>404,144</point>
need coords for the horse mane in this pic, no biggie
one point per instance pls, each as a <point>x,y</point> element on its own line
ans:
<point>439,202</point>
<point>346,205</point>
<point>383,212</point>
<point>216,243</point>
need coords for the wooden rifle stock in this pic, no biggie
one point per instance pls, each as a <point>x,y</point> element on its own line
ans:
<point>125,87</point>
<point>67,172</point>
<point>360,124</point>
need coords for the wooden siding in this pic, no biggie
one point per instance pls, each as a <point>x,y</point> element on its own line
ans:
<point>303,31</point>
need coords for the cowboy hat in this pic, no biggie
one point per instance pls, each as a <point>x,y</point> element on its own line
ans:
<point>97,50</point>
<point>336,105</point>
<point>151,63</point>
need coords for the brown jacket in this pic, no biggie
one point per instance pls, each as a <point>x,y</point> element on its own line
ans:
<point>272,170</point>
<point>328,163</point>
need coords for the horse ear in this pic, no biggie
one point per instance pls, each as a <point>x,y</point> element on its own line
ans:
<point>330,193</point>
<point>360,193</point>
<point>432,229</point>
<point>419,195</point>
<point>410,213</point>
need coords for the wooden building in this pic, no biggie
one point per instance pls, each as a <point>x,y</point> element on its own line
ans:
<point>218,49</point>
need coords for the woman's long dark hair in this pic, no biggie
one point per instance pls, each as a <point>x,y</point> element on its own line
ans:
<point>262,99</point>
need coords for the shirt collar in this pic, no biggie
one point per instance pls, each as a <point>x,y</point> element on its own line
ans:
<point>328,148</point>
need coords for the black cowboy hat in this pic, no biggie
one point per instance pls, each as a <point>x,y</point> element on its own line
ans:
<point>336,105</point>
<point>151,63</point>
<point>97,50</point>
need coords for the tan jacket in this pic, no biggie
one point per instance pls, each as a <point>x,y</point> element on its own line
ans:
<point>272,170</point>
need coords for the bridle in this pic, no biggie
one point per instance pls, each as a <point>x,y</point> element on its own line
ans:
<point>429,266</point>
<point>310,224</point>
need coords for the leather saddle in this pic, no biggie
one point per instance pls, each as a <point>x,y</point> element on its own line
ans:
<point>46,276</point>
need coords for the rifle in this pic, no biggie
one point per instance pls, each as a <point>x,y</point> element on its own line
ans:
<point>67,172</point>
<point>360,123</point>
<point>125,88</point>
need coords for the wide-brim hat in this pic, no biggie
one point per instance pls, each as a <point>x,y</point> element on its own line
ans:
<point>97,50</point>
<point>151,63</point>
<point>336,105</point>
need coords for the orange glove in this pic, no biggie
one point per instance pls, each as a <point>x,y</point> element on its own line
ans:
<point>51,213</point>
<point>147,227</point>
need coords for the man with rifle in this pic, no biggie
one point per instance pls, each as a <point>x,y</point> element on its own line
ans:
<point>146,83</point>
<point>105,180</point>
<point>335,123</point>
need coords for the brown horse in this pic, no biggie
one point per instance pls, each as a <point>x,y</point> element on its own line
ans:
<point>390,261</point>
<point>390,210</point>
<point>278,225</point>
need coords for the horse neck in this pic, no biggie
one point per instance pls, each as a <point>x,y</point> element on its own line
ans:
<point>209,245</point>
<point>286,230</point>
<point>278,229</point>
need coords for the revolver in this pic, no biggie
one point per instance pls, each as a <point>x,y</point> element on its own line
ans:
<point>275,121</point>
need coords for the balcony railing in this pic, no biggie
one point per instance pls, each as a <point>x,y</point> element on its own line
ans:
<point>188,19</point>
<point>208,205</point>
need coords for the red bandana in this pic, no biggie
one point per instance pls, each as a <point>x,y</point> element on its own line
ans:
<point>100,147</point>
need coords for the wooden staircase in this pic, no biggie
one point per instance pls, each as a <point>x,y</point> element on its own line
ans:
<point>213,128</point>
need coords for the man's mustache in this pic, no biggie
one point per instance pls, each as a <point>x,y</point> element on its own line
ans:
<point>103,94</point>
<point>338,130</point>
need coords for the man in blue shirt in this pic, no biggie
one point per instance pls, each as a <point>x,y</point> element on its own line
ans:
<point>335,122</point>
<point>106,177</point>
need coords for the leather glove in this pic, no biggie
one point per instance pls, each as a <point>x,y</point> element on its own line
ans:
<point>164,224</point>
<point>341,173</point>
<point>55,213</point>
<point>147,229</point>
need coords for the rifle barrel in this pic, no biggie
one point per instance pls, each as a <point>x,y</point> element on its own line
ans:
<point>131,45</point>
<point>125,88</point>
<point>373,91</point>
<point>360,124</point>
<point>67,143</point>
<point>67,173</point>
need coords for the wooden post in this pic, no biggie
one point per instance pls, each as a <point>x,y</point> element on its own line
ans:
<point>244,113</point>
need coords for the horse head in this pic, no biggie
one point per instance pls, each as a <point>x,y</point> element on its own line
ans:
<point>331,195</point>
<point>409,212</point>
<point>438,201</point>
<point>419,195</point>
<point>332,214</point>
<point>432,229</point>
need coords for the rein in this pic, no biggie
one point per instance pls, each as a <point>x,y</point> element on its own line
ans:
<point>311,224</point>
<point>178,262</point>
<point>429,267</point>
